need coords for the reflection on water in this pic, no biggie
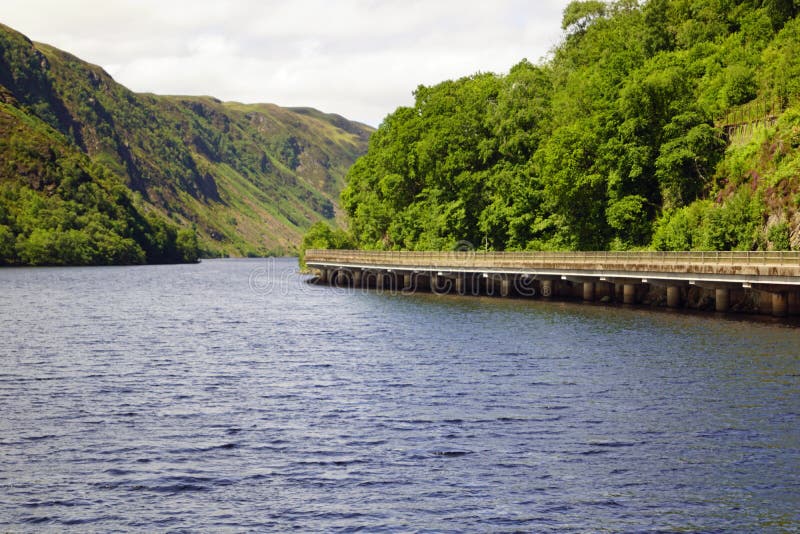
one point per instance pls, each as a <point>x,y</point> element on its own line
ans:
<point>226,395</point>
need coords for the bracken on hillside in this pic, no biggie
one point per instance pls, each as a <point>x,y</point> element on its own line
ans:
<point>87,165</point>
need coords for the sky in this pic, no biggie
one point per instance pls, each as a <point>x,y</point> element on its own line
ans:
<point>358,58</point>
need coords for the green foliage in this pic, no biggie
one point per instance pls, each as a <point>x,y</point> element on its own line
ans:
<point>685,163</point>
<point>628,216</point>
<point>617,141</point>
<point>704,225</point>
<point>781,59</point>
<point>735,224</point>
<point>240,179</point>
<point>7,244</point>
<point>57,207</point>
<point>49,230</point>
<point>433,194</point>
<point>778,236</point>
<point>579,14</point>
<point>740,85</point>
<point>322,236</point>
<point>186,244</point>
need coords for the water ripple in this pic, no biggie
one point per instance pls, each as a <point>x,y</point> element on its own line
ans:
<point>176,398</point>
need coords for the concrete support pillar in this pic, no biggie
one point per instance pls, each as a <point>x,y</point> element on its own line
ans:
<point>629,294</point>
<point>380,280</point>
<point>673,296</point>
<point>547,288</point>
<point>433,283</point>
<point>481,285</point>
<point>588,291</point>
<point>604,291</point>
<point>422,282</point>
<point>407,282</point>
<point>357,277</point>
<point>780,304</point>
<point>323,276</point>
<point>461,284</point>
<point>722,299</point>
<point>794,303</point>
<point>475,286</point>
<point>505,287</point>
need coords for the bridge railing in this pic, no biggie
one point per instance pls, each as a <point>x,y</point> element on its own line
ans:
<point>695,261</point>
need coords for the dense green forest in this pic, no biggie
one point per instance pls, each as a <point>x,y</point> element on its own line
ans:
<point>665,124</point>
<point>92,173</point>
<point>57,207</point>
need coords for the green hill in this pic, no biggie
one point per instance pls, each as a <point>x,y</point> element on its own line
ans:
<point>665,124</point>
<point>92,173</point>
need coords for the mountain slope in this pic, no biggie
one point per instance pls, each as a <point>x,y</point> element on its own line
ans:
<point>249,178</point>
<point>57,207</point>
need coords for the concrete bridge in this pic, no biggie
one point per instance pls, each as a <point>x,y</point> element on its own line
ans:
<point>760,282</point>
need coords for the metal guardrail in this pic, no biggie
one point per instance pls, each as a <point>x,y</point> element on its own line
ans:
<point>710,257</point>
<point>695,261</point>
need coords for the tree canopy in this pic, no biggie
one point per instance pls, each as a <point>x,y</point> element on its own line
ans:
<point>622,139</point>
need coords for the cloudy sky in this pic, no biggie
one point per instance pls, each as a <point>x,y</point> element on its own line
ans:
<point>358,58</point>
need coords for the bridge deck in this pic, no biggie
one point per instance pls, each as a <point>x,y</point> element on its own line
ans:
<point>781,268</point>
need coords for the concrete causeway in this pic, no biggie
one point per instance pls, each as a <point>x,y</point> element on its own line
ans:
<point>759,282</point>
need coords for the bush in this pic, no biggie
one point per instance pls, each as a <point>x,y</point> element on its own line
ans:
<point>186,243</point>
<point>7,242</point>
<point>629,217</point>
<point>778,236</point>
<point>703,225</point>
<point>322,236</point>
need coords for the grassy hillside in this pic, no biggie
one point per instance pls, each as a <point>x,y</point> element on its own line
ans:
<point>248,178</point>
<point>665,124</point>
<point>57,207</point>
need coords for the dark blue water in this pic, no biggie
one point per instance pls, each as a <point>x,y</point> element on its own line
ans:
<point>229,396</point>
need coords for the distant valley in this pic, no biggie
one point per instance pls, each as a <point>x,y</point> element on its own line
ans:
<point>93,173</point>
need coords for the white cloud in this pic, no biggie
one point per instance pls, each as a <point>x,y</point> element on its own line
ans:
<point>359,58</point>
